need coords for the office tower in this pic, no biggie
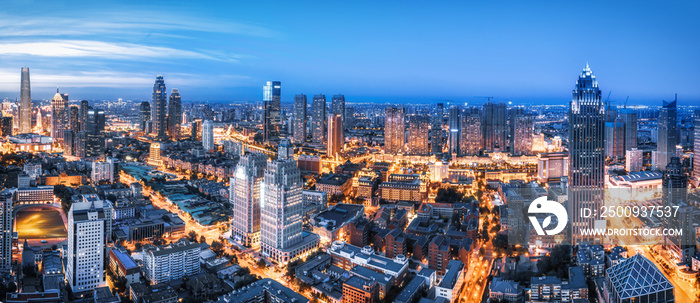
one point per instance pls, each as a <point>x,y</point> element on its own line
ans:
<point>74,118</point>
<point>6,218</point>
<point>586,153</point>
<point>144,116</point>
<point>394,129</point>
<point>245,198</point>
<point>521,130</point>
<point>281,212</point>
<point>318,119</point>
<point>69,142</point>
<point>634,160</point>
<point>25,104</point>
<point>285,150</point>
<point>6,126</point>
<point>614,139</point>
<point>629,122</point>
<point>668,133</point>
<point>338,108</point>
<point>59,117</point>
<point>300,119</point>
<point>272,107</point>
<point>196,130</point>
<point>675,196</point>
<point>154,154</point>
<point>455,126</point>
<point>696,149</point>
<point>165,263</point>
<point>208,135</point>
<point>470,133</point>
<point>160,108</point>
<point>80,144</point>
<point>174,114</point>
<point>95,133</point>
<point>87,225</point>
<point>436,131</point>
<point>335,136</point>
<point>84,106</point>
<point>493,123</point>
<point>349,118</point>
<point>418,135</point>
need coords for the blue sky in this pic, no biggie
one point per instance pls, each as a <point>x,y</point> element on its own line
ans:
<point>403,51</point>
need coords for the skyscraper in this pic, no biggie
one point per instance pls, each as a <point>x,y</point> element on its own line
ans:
<point>614,139</point>
<point>470,133</point>
<point>349,118</point>
<point>87,224</point>
<point>208,135</point>
<point>455,121</point>
<point>300,119</point>
<point>629,120</point>
<point>586,153</point>
<point>25,104</point>
<point>95,133</point>
<point>394,129</point>
<point>6,218</point>
<point>59,117</point>
<point>521,130</point>
<point>69,142</point>
<point>144,116</point>
<point>74,118</point>
<point>318,119</point>
<point>675,195</point>
<point>160,108</point>
<point>174,114</point>
<point>418,139</point>
<point>696,150</point>
<point>436,131</point>
<point>245,197</point>
<point>281,212</point>
<point>338,108</point>
<point>6,126</point>
<point>84,106</point>
<point>668,134</point>
<point>493,123</point>
<point>335,136</point>
<point>272,108</point>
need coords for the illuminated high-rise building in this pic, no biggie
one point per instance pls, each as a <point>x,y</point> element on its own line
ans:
<point>493,123</point>
<point>668,134</point>
<point>300,107</point>
<point>6,225</point>
<point>436,131</point>
<point>318,119</point>
<point>245,198</point>
<point>338,108</point>
<point>87,225</point>
<point>144,116</point>
<point>281,212</point>
<point>418,135</point>
<point>74,118</point>
<point>84,106</point>
<point>335,136</point>
<point>629,120</point>
<point>25,104</point>
<point>696,150</point>
<point>675,196</point>
<point>174,114</point>
<point>272,108</point>
<point>394,129</point>
<point>470,132</point>
<point>160,109</point>
<point>95,133</point>
<point>455,126</point>
<point>586,154</point>
<point>59,116</point>
<point>208,135</point>
<point>521,130</point>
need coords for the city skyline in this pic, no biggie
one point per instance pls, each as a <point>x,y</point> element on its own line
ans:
<point>119,53</point>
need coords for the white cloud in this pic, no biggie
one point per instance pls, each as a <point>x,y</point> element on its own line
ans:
<point>86,48</point>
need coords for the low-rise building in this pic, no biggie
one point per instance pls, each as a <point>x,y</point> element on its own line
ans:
<point>170,262</point>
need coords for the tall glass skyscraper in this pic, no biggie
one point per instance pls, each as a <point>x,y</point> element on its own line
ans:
<point>493,124</point>
<point>586,154</point>
<point>160,107</point>
<point>668,134</point>
<point>245,198</point>
<point>455,121</point>
<point>59,116</point>
<point>436,131</point>
<point>272,107</point>
<point>25,104</point>
<point>338,108</point>
<point>174,114</point>
<point>145,116</point>
<point>300,106</point>
<point>318,119</point>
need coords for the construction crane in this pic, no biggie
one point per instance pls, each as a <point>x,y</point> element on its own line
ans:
<point>488,99</point>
